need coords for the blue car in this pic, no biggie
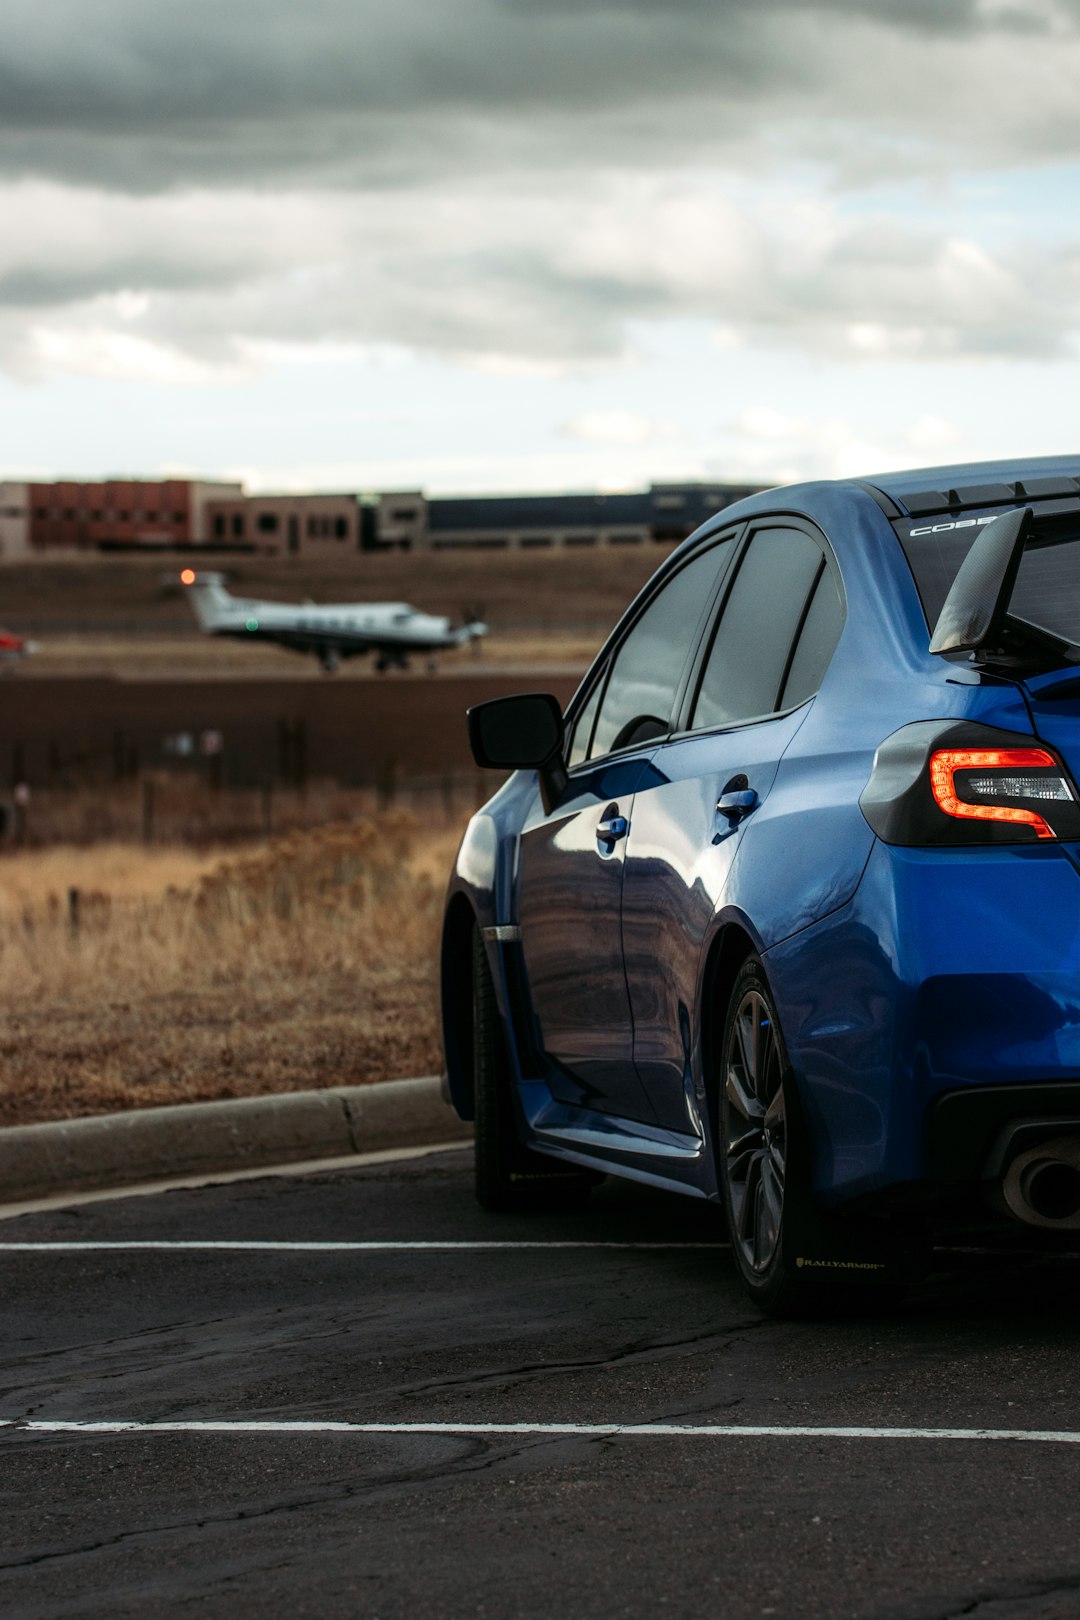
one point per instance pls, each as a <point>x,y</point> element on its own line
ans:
<point>784,911</point>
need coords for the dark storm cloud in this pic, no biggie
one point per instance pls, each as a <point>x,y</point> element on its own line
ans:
<point>37,287</point>
<point>143,96</point>
<point>520,179</point>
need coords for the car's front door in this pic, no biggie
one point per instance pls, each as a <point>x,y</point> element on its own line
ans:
<point>571,857</point>
<point>776,630</point>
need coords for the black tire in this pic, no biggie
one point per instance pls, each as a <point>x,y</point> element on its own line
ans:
<point>793,1259</point>
<point>508,1175</point>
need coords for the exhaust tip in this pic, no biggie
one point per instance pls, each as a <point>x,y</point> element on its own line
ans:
<point>1052,1189</point>
<point>1042,1186</point>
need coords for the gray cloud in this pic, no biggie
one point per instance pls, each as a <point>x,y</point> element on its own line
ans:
<point>517,179</point>
<point>548,278</point>
<point>143,97</point>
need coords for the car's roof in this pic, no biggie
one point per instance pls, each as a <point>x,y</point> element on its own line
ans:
<point>974,472</point>
<point>916,491</point>
<point>980,483</point>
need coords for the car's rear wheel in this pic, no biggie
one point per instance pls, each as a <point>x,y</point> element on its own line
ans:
<point>793,1259</point>
<point>508,1176</point>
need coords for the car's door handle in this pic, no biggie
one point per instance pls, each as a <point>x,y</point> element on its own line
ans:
<point>736,805</point>
<point>612,829</point>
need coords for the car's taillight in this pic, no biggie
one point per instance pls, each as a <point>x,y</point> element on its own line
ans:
<point>991,784</point>
<point>956,782</point>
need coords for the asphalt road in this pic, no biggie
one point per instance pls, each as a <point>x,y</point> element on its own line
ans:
<point>570,1523</point>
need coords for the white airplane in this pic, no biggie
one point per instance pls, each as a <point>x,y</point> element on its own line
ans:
<point>391,630</point>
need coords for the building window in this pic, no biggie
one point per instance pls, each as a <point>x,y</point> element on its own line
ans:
<point>178,517</point>
<point>580,540</point>
<point>341,528</point>
<point>267,523</point>
<point>124,516</point>
<point>238,523</point>
<point>312,527</point>
<point>69,513</point>
<point>403,514</point>
<point>219,526</point>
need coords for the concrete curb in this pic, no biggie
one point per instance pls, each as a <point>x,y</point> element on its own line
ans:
<point>144,1144</point>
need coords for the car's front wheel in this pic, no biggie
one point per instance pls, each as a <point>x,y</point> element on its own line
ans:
<point>792,1258</point>
<point>508,1175</point>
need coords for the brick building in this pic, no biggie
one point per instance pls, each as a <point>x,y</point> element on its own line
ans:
<point>70,516</point>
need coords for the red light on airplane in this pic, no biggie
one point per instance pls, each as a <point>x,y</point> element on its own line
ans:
<point>187,576</point>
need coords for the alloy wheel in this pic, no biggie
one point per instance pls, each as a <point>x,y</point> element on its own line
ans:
<point>754,1132</point>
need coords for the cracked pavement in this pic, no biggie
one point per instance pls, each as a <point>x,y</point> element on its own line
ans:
<point>387,1525</point>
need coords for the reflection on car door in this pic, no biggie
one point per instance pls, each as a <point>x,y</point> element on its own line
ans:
<point>570,907</point>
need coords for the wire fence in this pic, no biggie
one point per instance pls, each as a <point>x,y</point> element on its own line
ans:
<point>172,808</point>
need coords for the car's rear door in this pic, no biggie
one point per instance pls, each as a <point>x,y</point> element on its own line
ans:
<point>775,630</point>
<point>571,857</point>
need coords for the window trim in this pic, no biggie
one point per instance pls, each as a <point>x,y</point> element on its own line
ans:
<point>692,686</point>
<point>600,672</point>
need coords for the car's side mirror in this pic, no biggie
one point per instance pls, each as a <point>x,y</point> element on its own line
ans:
<point>519,734</point>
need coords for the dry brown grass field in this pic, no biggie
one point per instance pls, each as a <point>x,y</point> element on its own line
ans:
<point>307,960</point>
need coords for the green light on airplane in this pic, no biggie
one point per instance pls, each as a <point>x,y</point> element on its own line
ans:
<point>252,624</point>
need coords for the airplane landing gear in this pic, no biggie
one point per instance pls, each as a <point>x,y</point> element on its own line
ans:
<point>329,661</point>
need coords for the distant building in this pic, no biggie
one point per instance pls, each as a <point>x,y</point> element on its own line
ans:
<point>14,519</point>
<point>665,512</point>
<point>291,525</point>
<point>120,513</point>
<point>139,514</point>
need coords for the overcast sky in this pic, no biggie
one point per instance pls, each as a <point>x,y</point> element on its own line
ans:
<point>534,244</point>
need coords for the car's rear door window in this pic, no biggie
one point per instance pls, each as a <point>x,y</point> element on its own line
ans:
<point>648,667</point>
<point>817,640</point>
<point>747,664</point>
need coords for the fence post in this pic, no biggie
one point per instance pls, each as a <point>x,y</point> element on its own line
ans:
<point>300,754</point>
<point>387,784</point>
<point>148,810</point>
<point>73,913</point>
<point>20,795</point>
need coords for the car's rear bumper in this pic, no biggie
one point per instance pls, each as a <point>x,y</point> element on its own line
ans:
<point>942,1002</point>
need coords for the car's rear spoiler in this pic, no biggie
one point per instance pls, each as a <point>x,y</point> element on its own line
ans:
<point>976,607</point>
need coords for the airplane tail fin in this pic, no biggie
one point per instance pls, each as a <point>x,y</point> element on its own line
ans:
<point>210,600</point>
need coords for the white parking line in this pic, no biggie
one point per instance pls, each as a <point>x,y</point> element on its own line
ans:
<point>696,1431</point>
<point>272,1247</point>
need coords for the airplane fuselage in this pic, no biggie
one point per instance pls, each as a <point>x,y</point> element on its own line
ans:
<point>330,631</point>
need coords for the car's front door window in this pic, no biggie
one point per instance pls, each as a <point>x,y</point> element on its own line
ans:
<point>583,725</point>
